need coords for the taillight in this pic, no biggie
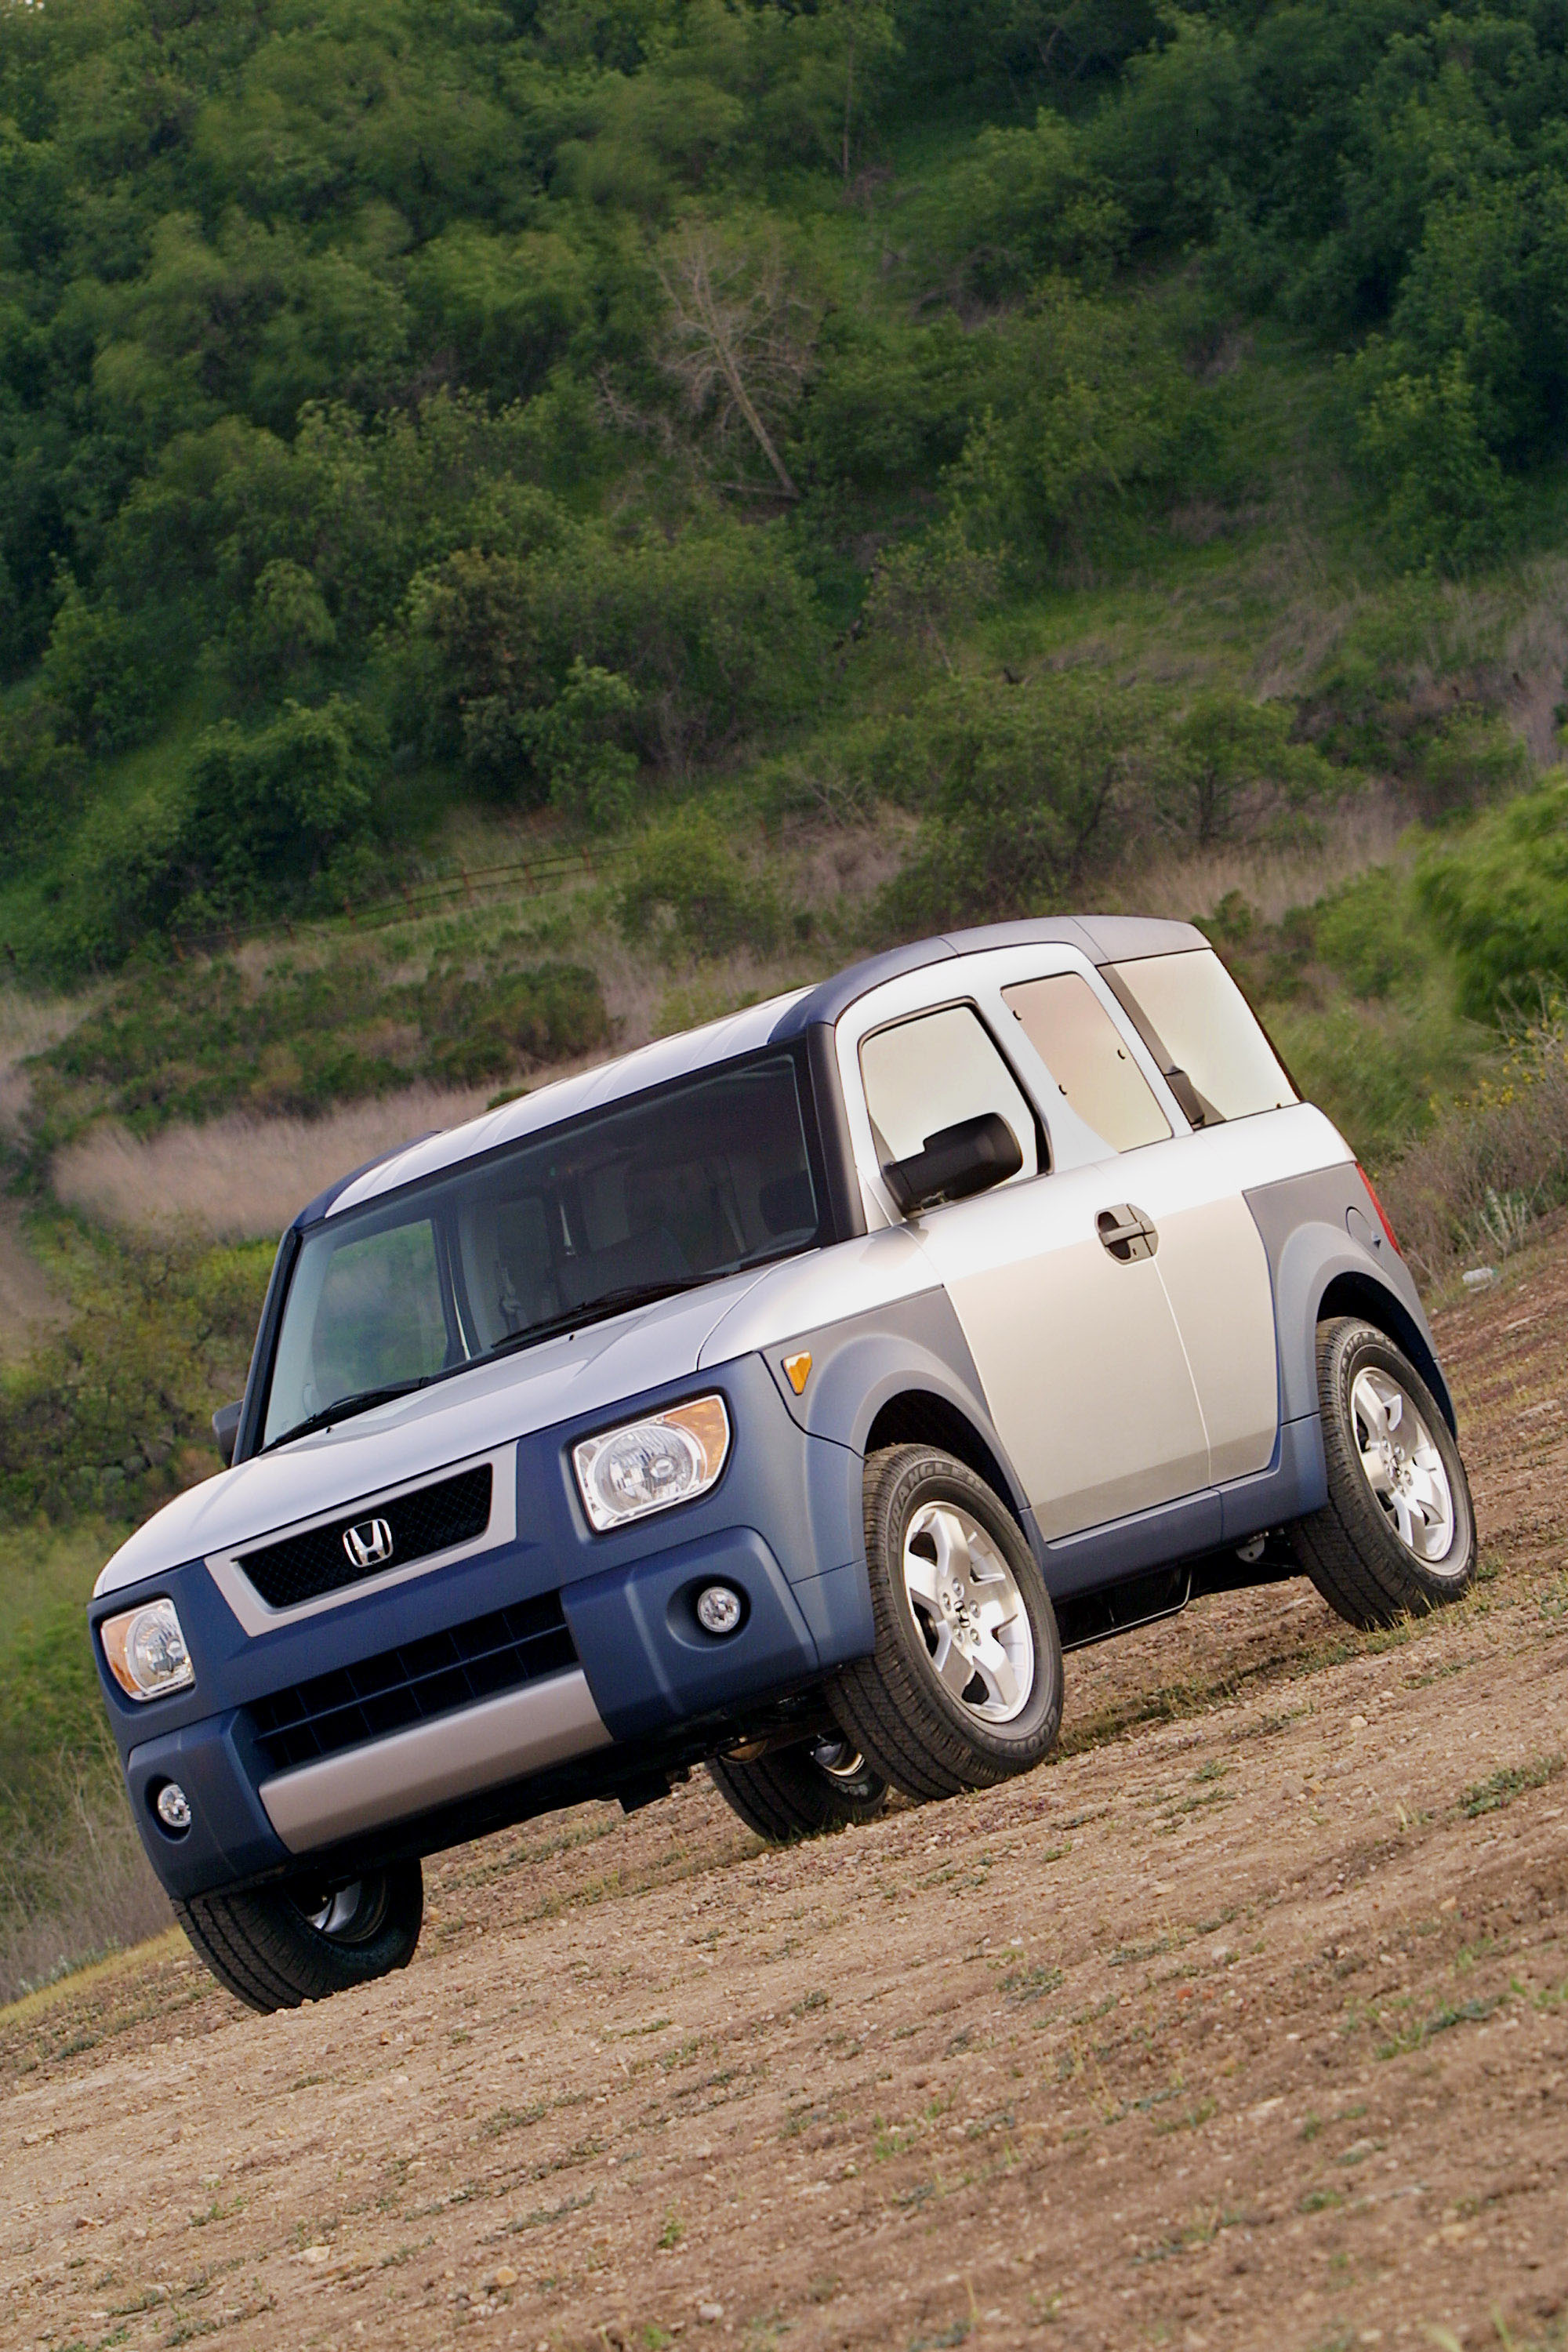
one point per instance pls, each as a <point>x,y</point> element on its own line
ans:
<point>1381,1212</point>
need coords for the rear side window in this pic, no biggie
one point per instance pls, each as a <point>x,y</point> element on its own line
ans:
<point>1085,1052</point>
<point>1202,1025</point>
<point>927,1074</point>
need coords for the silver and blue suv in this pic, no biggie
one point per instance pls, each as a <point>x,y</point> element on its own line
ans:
<point>785,1398</point>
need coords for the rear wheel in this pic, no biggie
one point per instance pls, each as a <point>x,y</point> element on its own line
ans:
<point>1397,1535</point>
<point>276,1947</point>
<point>964,1687</point>
<point>800,1792</point>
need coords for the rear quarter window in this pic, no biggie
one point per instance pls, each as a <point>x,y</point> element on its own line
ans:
<point>1206,1028</point>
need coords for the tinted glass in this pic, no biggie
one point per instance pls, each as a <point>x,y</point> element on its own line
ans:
<point>927,1074</point>
<point>687,1185</point>
<point>1085,1052</point>
<point>1208,1030</point>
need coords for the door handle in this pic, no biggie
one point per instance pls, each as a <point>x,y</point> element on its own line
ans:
<point>1127,1233</point>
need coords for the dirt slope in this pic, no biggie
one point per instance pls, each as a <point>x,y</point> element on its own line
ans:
<point>1244,2022</point>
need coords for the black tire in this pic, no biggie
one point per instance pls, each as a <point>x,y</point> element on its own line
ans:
<point>264,1945</point>
<point>800,1792</point>
<point>1353,1548</point>
<point>924,1737</point>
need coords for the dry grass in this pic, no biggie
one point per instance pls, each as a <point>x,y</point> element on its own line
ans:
<point>1472,1188</point>
<point>1272,877</point>
<point>28,1025</point>
<point>102,1895</point>
<point>241,1178</point>
<point>29,1303</point>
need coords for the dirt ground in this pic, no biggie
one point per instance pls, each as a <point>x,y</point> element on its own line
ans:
<point>1244,2022</point>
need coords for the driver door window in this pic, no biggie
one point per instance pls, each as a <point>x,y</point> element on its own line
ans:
<point>927,1074</point>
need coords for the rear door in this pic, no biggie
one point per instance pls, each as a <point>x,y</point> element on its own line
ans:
<point>1197,1026</point>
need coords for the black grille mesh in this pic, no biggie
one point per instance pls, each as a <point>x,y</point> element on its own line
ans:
<point>431,1519</point>
<point>410,1684</point>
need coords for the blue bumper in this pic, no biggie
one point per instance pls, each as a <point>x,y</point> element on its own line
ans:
<point>783,1525</point>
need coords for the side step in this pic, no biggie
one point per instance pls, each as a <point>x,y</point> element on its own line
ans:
<point>1090,1617</point>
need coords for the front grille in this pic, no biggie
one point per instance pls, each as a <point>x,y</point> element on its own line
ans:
<point>431,1519</point>
<point>428,1677</point>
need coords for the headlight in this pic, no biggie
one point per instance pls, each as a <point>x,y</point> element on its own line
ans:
<point>649,1465</point>
<point>146,1650</point>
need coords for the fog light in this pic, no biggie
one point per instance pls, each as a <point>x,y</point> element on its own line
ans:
<point>173,1808</point>
<point>718,1609</point>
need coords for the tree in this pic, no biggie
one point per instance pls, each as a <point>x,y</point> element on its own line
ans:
<point>737,338</point>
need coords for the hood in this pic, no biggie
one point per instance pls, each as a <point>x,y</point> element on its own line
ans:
<point>586,1372</point>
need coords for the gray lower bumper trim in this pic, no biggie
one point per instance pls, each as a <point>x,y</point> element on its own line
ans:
<point>430,1763</point>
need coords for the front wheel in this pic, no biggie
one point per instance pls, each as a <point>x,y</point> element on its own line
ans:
<point>964,1687</point>
<point>1397,1535</point>
<point>802,1790</point>
<point>275,1947</point>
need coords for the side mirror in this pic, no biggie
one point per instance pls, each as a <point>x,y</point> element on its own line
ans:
<point>225,1429</point>
<point>955,1162</point>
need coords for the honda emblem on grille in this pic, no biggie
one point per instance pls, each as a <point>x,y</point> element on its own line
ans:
<point>368,1544</point>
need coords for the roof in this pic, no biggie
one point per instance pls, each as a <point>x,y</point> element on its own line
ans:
<point>1104,939</point>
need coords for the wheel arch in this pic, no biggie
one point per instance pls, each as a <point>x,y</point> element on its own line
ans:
<point>1354,1293</point>
<point>920,1416</point>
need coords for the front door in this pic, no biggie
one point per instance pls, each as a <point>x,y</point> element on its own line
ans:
<point>1066,1315</point>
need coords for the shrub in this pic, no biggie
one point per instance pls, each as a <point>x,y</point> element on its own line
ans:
<point>99,672</point>
<point>1089,410</point>
<point>1472,1184</point>
<point>266,810</point>
<point>195,1039</point>
<point>1499,896</point>
<point>1024,785</point>
<point>113,1417</point>
<point>1228,767</point>
<point>686,644</point>
<point>688,888</point>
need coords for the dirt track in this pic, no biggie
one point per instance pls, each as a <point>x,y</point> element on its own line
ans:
<point>1244,2022</point>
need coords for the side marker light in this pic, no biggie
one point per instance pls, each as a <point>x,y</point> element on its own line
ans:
<point>798,1370</point>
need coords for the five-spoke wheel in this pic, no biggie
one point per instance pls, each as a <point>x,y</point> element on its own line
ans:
<point>964,1685</point>
<point>1397,1534</point>
<point>970,1612</point>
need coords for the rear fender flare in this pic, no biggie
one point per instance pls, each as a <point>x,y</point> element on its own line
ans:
<point>1321,1272</point>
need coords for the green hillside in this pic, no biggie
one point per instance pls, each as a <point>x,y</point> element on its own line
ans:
<point>559,408</point>
<point>523,526</point>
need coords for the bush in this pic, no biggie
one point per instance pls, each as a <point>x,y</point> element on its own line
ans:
<point>1473,1185</point>
<point>686,889</point>
<point>113,1417</point>
<point>1421,440</point>
<point>1089,411</point>
<point>1228,767</point>
<point>1025,786</point>
<point>1499,896</point>
<point>194,1039</point>
<point>687,644</point>
<point>99,672</point>
<point>1023,201</point>
<point>266,811</point>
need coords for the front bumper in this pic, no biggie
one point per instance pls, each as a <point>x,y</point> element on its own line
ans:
<point>626,1681</point>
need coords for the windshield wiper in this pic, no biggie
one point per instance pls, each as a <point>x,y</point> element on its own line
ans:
<point>594,1310</point>
<point>359,1401</point>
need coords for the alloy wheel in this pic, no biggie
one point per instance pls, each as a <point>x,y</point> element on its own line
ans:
<point>970,1612</point>
<point>1402,1465</point>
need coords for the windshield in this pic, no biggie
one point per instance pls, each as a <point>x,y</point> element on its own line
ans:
<point>681,1187</point>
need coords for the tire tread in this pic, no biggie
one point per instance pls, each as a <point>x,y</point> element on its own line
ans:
<point>265,1953</point>
<point>1335,1544</point>
<point>877,1699</point>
